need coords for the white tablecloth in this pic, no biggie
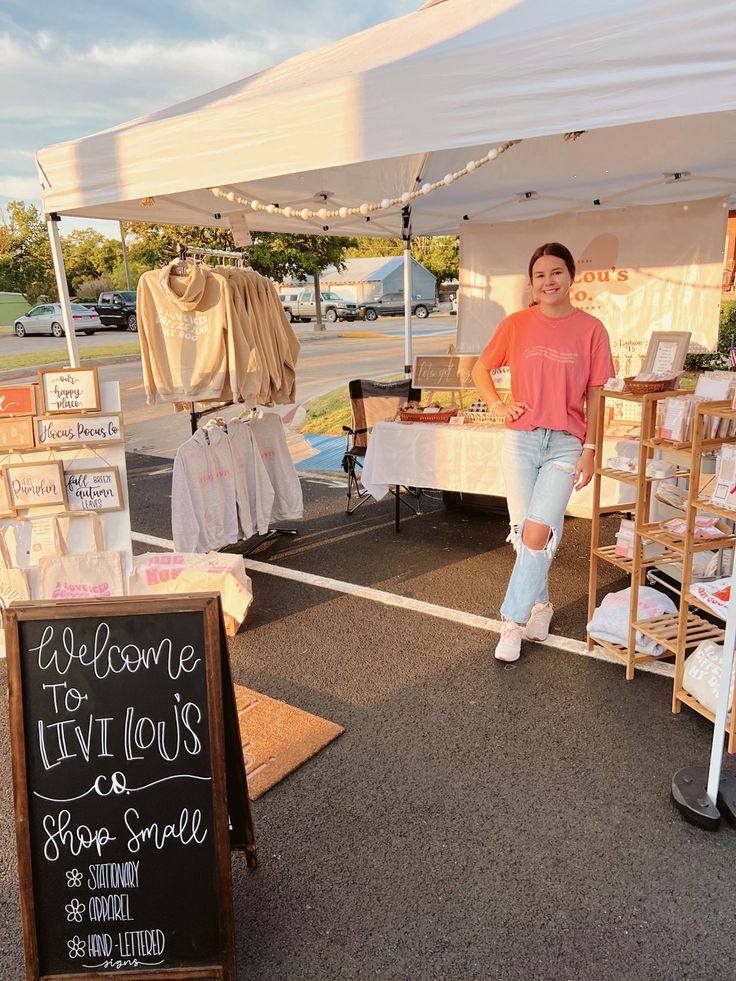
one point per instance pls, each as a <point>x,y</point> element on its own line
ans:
<point>459,458</point>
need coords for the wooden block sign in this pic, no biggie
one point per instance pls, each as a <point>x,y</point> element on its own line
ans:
<point>17,433</point>
<point>80,430</point>
<point>69,390</point>
<point>448,373</point>
<point>7,509</point>
<point>17,400</point>
<point>36,485</point>
<point>119,777</point>
<point>96,489</point>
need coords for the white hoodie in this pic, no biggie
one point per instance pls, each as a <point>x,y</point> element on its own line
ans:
<point>204,513</point>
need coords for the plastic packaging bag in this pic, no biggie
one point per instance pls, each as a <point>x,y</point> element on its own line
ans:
<point>611,619</point>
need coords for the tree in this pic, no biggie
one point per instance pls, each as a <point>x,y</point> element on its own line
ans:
<point>89,255</point>
<point>25,254</point>
<point>90,289</point>
<point>439,254</point>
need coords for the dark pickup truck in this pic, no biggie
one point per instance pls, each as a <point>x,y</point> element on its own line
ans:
<point>118,309</point>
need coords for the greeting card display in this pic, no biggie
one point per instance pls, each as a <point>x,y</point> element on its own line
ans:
<point>69,390</point>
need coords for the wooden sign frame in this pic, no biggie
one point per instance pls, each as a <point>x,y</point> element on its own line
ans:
<point>71,499</point>
<point>85,378</point>
<point>55,465</point>
<point>25,400</point>
<point>28,438</point>
<point>444,372</point>
<point>64,422</point>
<point>125,607</point>
<point>7,508</point>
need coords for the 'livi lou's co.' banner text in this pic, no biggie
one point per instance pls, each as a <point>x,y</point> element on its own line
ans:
<point>639,269</point>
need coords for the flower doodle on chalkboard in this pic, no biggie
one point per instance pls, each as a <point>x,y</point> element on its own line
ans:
<point>76,947</point>
<point>74,911</point>
<point>74,878</point>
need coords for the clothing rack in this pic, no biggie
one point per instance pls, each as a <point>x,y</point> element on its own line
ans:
<point>195,251</point>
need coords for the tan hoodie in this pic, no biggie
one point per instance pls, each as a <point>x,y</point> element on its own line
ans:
<point>186,324</point>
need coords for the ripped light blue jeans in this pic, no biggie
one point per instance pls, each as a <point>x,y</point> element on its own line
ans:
<point>539,467</point>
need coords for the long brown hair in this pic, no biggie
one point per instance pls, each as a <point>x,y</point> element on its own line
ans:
<point>556,249</point>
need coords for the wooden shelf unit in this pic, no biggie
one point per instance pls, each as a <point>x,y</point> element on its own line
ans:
<point>635,567</point>
<point>688,634</point>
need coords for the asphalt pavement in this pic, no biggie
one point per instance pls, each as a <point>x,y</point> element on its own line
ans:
<point>475,820</point>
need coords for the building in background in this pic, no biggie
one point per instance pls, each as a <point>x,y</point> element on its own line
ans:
<point>12,306</point>
<point>370,278</point>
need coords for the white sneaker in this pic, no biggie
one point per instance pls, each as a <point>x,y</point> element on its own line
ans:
<point>537,627</point>
<point>509,646</point>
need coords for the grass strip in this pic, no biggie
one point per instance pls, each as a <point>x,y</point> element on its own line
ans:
<point>30,359</point>
<point>327,414</point>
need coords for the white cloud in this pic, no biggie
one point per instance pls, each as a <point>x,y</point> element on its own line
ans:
<point>20,187</point>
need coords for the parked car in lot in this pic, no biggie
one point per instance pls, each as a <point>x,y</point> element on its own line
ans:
<point>300,307</point>
<point>118,309</point>
<point>47,319</point>
<point>392,305</point>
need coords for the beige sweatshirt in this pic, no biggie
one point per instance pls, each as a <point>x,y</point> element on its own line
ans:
<point>187,334</point>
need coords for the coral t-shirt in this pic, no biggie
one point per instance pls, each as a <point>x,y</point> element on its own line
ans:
<point>553,360</point>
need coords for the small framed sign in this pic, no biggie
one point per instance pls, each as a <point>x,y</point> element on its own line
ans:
<point>96,489</point>
<point>79,430</point>
<point>17,433</point>
<point>69,390</point>
<point>18,400</point>
<point>666,352</point>
<point>36,485</point>
<point>6,505</point>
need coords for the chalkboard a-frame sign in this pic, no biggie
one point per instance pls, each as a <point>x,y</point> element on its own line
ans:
<point>120,789</point>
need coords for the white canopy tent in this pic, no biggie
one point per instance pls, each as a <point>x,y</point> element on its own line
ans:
<point>652,87</point>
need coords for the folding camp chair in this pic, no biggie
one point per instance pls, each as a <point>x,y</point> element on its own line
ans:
<point>371,402</point>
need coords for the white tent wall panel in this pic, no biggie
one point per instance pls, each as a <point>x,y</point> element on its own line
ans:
<point>639,270</point>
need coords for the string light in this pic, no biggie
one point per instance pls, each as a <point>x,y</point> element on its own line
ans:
<point>366,207</point>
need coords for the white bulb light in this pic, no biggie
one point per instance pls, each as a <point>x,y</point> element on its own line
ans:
<point>343,212</point>
<point>305,213</point>
<point>426,188</point>
<point>470,166</point>
<point>405,197</point>
<point>448,179</point>
<point>322,213</point>
<point>492,153</point>
<point>385,203</point>
<point>363,209</point>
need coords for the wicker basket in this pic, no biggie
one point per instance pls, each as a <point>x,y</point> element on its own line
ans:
<point>482,418</point>
<point>646,387</point>
<point>444,415</point>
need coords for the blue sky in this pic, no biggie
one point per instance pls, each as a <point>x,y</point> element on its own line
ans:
<point>74,67</point>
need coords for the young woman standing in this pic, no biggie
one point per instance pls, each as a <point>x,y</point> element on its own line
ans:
<point>559,358</point>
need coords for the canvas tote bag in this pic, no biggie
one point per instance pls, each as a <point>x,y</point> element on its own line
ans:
<point>13,582</point>
<point>97,573</point>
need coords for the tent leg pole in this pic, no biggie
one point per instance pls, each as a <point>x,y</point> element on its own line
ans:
<point>408,360</point>
<point>52,224</point>
<point>125,256</point>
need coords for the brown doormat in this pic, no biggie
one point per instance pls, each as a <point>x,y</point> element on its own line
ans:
<point>277,738</point>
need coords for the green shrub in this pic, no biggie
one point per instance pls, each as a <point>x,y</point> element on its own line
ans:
<point>717,359</point>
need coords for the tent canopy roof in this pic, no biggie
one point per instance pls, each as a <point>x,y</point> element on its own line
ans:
<point>362,119</point>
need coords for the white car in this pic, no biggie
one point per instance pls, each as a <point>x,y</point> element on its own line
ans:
<point>46,319</point>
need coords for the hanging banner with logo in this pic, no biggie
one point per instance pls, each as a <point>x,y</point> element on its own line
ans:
<point>639,269</point>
